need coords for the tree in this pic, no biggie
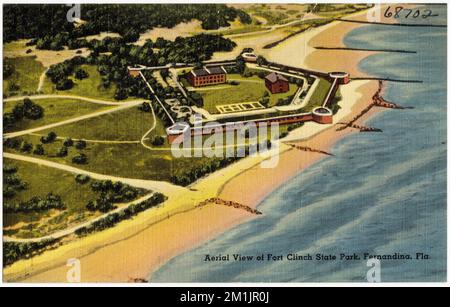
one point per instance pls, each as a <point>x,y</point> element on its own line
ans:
<point>81,74</point>
<point>8,70</point>
<point>164,73</point>
<point>158,141</point>
<point>68,142</point>
<point>64,84</point>
<point>121,94</point>
<point>82,179</point>
<point>80,144</point>
<point>39,150</point>
<point>26,147</point>
<point>80,159</point>
<point>63,151</point>
<point>260,60</point>
<point>49,138</point>
<point>145,107</point>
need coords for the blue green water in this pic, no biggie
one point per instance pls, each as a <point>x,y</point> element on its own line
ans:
<point>381,193</point>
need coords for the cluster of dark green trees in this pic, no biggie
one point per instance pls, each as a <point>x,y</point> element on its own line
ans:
<point>12,183</point>
<point>190,176</point>
<point>26,109</point>
<point>110,193</point>
<point>59,73</point>
<point>36,204</point>
<point>113,55</point>
<point>14,251</point>
<point>195,173</point>
<point>49,25</point>
<point>8,69</point>
<point>127,213</point>
<point>27,147</point>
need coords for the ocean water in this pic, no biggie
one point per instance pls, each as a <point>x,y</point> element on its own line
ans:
<point>383,193</point>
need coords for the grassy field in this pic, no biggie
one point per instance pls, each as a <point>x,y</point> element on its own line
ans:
<point>41,181</point>
<point>25,76</point>
<point>338,10</point>
<point>89,87</point>
<point>319,95</point>
<point>122,160</point>
<point>55,110</point>
<point>125,125</point>
<point>15,46</point>
<point>248,90</point>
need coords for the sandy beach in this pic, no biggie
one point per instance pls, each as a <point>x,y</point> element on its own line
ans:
<point>136,248</point>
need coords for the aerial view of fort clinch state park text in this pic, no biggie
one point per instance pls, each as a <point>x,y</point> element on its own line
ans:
<point>224,142</point>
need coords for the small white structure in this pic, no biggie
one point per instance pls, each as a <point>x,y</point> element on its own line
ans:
<point>249,57</point>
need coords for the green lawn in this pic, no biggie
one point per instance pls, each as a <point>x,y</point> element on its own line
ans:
<point>15,46</point>
<point>55,110</point>
<point>125,125</point>
<point>26,75</point>
<point>319,95</point>
<point>122,160</point>
<point>42,180</point>
<point>89,87</point>
<point>249,90</point>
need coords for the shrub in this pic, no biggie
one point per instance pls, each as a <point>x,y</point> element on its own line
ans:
<point>80,144</point>
<point>39,150</point>
<point>62,152</point>
<point>145,107</point>
<point>158,141</point>
<point>64,84</point>
<point>51,136</point>
<point>68,142</point>
<point>36,204</point>
<point>26,147</point>
<point>81,74</point>
<point>80,159</point>
<point>82,179</point>
<point>114,218</point>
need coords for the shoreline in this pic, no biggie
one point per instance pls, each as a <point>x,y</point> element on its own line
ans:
<point>134,249</point>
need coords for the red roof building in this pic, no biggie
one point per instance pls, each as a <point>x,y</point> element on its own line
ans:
<point>207,76</point>
<point>276,83</point>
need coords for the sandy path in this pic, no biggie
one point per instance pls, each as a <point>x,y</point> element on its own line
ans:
<point>93,100</point>
<point>159,186</point>
<point>71,230</point>
<point>125,105</point>
<point>41,81</point>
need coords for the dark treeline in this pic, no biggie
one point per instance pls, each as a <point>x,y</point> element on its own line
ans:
<point>14,251</point>
<point>113,67</point>
<point>12,183</point>
<point>36,204</point>
<point>26,109</point>
<point>186,177</point>
<point>129,20</point>
<point>111,193</point>
<point>114,218</point>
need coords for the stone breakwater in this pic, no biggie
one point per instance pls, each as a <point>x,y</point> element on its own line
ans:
<point>305,148</point>
<point>377,101</point>
<point>229,203</point>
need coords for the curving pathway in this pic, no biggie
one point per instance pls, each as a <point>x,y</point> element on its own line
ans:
<point>93,100</point>
<point>164,187</point>
<point>123,105</point>
<point>71,230</point>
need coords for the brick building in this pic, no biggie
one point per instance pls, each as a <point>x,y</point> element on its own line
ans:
<point>207,76</point>
<point>276,83</point>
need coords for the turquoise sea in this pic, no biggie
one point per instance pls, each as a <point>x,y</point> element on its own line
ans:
<point>382,193</point>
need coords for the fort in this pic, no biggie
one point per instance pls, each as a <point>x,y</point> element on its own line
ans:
<point>312,100</point>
